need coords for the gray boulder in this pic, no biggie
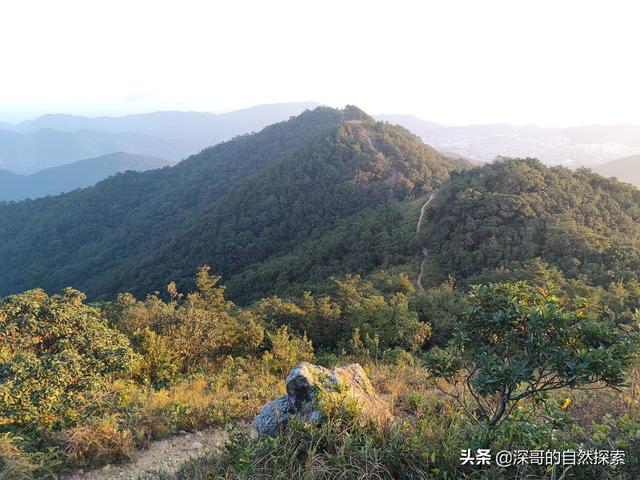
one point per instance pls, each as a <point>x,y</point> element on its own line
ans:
<point>304,384</point>
<point>273,416</point>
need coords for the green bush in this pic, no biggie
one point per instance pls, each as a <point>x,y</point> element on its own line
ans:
<point>286,351</point>
<point>188,332</point>
<point>58,353</point>
<point>518,342</point>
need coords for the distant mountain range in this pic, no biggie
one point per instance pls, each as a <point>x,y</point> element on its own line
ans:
<point>65,178</point>
<point>54,140</point>
<point>57,139</point>
<point>27,153</point>
<point>625,169</point>
<point>573,147</point>
<point>207,127</point>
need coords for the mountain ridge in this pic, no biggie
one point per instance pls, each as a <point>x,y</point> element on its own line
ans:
<point>188,123</point>
<point>131,221</point>
<point>489,223</point>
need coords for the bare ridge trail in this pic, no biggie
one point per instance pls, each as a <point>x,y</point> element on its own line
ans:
<point>161,459</point>
<point>425,252</point>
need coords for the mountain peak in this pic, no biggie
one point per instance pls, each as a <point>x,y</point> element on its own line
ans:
<point>351,112</point>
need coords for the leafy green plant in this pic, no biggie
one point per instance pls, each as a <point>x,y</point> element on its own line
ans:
<point>286,351</point>
<point>516,342</point>
<point>60,352</point>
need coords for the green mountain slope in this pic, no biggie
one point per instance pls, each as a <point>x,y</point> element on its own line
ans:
<point>624,169</point>
<point>372,239</point>
<point>358,165</point>
<point>234,206</point>
<point>65,178</point>
<point>507,213</point>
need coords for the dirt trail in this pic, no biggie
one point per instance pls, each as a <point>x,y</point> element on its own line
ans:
<point>162,458</point>
<point>425,252</point>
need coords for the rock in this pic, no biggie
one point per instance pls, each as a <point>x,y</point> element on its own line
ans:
<point>273,416</point>
<point>106,468</point>
<point>194,446</point>
<point>303,384</point>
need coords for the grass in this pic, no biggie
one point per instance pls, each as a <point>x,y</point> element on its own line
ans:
<point>424,441</point>
<point>132,415</point>
<point>428,434</point>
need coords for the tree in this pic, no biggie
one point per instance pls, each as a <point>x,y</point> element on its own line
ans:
<point>188,331</point>
<point>517,341</point>
<point>441,307</point>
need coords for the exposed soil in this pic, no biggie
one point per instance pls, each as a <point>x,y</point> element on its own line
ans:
<point>161,459</point>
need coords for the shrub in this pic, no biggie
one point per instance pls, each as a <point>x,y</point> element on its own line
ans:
<point>399,357</point>
<point>187,332</point>
<point>517,342</point>
<point>286,351</point>
<point>441,307</point>
<point>378,310</point>
<point>58,353</point>
<point>158,362</point>
<point>14,464</point>
<point>17,464</point>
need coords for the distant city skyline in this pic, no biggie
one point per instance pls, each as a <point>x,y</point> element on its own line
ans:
<point>547,63</point>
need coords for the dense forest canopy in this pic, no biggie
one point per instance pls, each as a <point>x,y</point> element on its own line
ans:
<point>330,192</point>
<point>497,218</point>
<point>233,206</point>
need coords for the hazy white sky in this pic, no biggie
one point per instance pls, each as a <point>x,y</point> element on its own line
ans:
<point>558,62</point>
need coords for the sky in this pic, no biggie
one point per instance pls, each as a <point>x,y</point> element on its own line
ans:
<point>550,63</point>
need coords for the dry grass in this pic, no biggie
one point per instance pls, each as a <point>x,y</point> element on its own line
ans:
<point>14,465</point>
<point>98,443</point>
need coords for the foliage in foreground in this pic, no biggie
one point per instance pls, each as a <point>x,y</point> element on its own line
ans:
<point>517,342</point>
<point>55,355</point>
<point>529,351</point>
<point>86,385</point>
<point>146,369</point>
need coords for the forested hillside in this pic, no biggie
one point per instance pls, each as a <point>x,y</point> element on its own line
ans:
<point>233,206</point>
<point>490,221</point>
